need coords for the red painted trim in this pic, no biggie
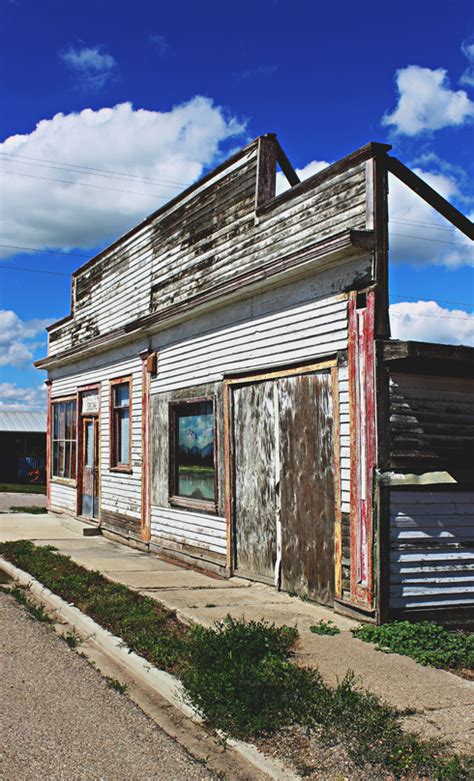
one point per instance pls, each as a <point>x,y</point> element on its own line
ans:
<point>146,441</point>
<point>48,444</point>
<point>363,445</point>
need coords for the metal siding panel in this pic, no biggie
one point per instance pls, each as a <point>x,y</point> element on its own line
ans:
<point>432,548</point>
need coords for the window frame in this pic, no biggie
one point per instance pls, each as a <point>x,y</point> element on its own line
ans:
<point>114,464</point>
<point>175,499</point>
<point>61,478</point>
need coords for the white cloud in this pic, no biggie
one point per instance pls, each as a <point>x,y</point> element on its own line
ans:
<point>314,167</point>
<point>418,233</point>
<point>426,102</point>
<point>171,148</point>
<point>467,77</point>
<point>427,321</point>
<point>14,397</point>
<point>91,66</point>
<point>159,43</point>
<point>17,337</point>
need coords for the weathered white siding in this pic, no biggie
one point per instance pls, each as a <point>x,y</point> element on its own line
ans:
<point>63,497</point>
<point>210,239</point>
<point>120,493</point>
<point>431,548</point>
<point>170,526</point>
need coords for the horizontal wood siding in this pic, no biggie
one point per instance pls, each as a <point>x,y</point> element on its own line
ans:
<point>210,238</point>
<point>63,497</point>
<point>120,493</point>
<point>188,529</point>
<point>431,423</point>
<point>431,548</point>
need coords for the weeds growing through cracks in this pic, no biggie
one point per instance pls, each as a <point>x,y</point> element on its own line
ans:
<point>240,675</point>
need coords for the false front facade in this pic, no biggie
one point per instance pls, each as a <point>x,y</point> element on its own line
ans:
<point>224,392</point>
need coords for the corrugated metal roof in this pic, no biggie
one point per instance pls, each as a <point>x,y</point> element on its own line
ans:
<point>22,420</point>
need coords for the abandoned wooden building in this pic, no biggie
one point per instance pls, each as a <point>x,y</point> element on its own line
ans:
<point>225,392</point>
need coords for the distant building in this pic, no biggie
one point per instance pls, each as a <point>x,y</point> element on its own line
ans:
<point>22,446</point>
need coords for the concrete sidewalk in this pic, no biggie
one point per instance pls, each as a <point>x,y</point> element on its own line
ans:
<point>443,701</point>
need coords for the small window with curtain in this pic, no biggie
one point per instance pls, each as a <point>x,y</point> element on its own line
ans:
<point>120,454</point>
<point>63,450</point>
<point>192,453</point>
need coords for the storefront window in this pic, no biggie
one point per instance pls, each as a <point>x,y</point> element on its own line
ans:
<point>192,451</point>
<point>64,439</point>
<point>120,452</point>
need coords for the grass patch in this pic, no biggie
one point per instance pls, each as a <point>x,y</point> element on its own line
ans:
<point>241,679</point>
<point>428,643</point>
<point>22,488</point>
<point>325,628</point>
<point>240,675</point>
<point>34,510</point>
<point>145,626</point>
<point>34,611</point>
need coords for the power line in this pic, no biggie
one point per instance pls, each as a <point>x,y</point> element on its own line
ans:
<point>35,271</point>
<point>83,184</point>
<point>90,173</point>
<point>438,300</point>
<point>36,250</point>
<point>102,170</point>
<point>425,238</point>
<point>424,224</point>
<point>437,317</point>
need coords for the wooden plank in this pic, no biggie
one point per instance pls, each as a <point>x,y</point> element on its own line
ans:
<point>307,485</point>
<point>433,198</point>
<point>255,502</point>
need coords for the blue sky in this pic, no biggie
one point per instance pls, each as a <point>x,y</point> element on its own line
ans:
<point>126,103</point>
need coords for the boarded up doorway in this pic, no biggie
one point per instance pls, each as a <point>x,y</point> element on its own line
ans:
<point>283,480</point>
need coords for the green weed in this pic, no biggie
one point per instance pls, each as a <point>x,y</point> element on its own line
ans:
<point>426,642</point>
<point>32,510</point>
<point>35,611</point>
<point>325,628</point>
<point>71,639</point>
<point>113,683</point>
<point>240,675</point>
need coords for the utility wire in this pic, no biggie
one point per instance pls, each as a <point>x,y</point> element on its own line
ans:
<point>101,170</point>
<point>35,271</point>
<point>65,254</point>
<point>425,238</point>
<point>438,300</point>
<point>83,184</point>
<point>88,173</point>
<point>436,317</point>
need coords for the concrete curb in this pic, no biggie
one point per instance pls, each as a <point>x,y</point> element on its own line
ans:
<point>165,684</point>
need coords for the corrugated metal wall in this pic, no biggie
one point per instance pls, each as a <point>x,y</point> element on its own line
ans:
<point>431,548</point>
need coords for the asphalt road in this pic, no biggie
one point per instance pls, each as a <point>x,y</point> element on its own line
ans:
<point>60,720</point>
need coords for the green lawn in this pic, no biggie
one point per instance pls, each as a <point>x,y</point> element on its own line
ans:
<point>20,488</point>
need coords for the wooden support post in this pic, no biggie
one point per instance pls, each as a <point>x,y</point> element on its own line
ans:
<point>431,197</point>
<point>266,169</point>
<point>380,219</point>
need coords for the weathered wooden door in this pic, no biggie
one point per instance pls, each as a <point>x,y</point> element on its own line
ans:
<point>284,498</point>
<point>254,451</point>
<point>90,468</point>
